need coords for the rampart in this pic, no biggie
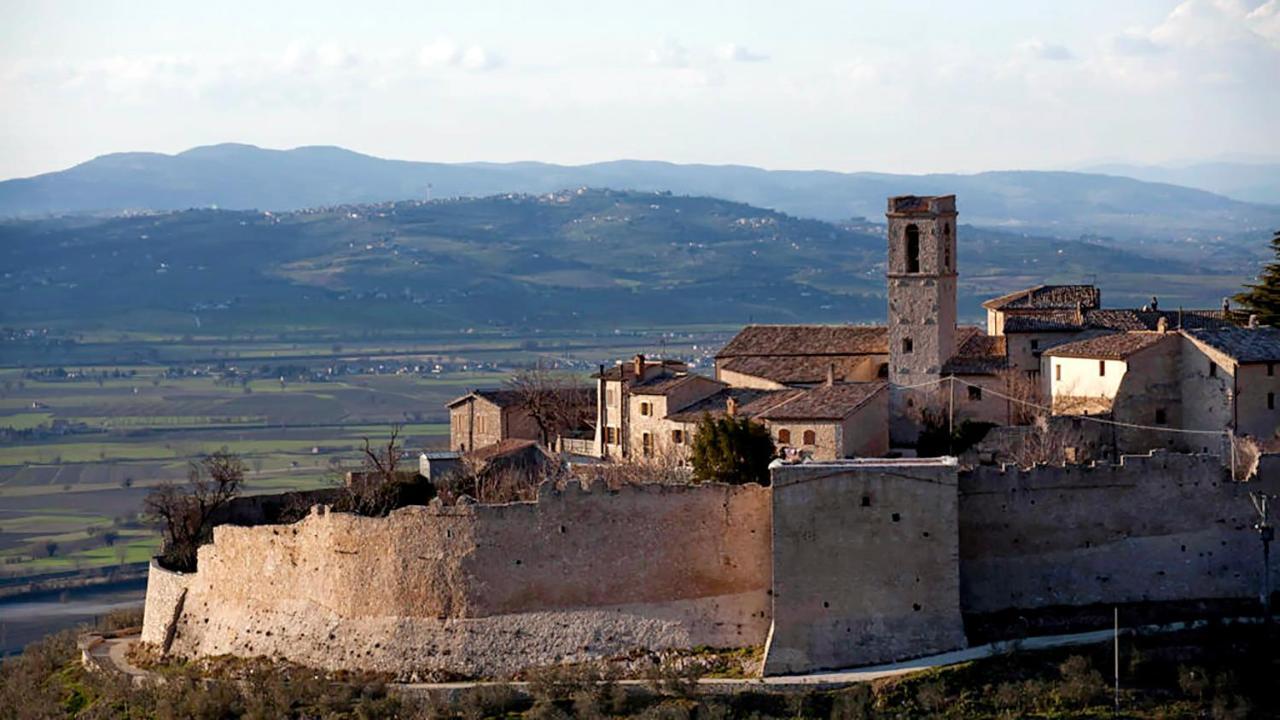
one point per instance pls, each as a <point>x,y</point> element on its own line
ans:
<point>1160,527</point>
<point>481,589</point>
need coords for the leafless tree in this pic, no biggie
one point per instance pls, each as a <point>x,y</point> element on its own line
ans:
<point>555,401</point>
<point>186,514</point>
<point>1027,397</point>
<point>379,486</point>
<point>1044,442</point>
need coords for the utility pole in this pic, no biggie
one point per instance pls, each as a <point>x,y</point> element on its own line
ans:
<point>1266,533</point>
<point>951,414</point>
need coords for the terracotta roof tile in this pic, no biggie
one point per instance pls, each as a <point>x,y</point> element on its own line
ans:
<point>1244,345</point>
<point>1113,346</point>
<point>825,402</point>
<point>790,340</point>
<point>1045,297</point>
<point>795,370</point>
<point>664,385</point>
<point>750,403</point>
<point>979,354</point>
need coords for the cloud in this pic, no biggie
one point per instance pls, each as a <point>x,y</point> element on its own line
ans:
<point>1041,50</point>
<point>444,52</point>
<point>732,52</point>
<point>669,54</point>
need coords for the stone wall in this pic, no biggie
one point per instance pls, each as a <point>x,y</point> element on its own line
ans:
<point>1158,527</point>
<point>865,563</point>
<point>484,590</point>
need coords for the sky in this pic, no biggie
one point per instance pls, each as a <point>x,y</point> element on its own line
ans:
<point>959,86</point>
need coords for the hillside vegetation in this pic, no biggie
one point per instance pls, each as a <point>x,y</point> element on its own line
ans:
<point>584,259</point>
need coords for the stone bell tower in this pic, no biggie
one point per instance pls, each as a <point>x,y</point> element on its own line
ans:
<point>922,304</point>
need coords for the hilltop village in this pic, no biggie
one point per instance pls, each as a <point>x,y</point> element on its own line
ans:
<point>866,546</point>
<point>860,391</point>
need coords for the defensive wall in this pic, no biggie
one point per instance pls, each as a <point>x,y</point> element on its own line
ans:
<point>1163,526</point>
<point>480,589</point>
<point>837,564</point>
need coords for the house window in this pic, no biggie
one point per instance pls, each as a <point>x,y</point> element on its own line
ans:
<point>646,442</point>
<point>946,244</point>
<point>610,398</point>
<point>1162,418</point>
<point>480,424</point>
<point>1102,368</point>
<point>1271,369</point>
<point>913,249</point>
<point>975,393</point>
<point>906,345</point>
<point>1213,369</point>
<point>677,437</point>
<point>646,409</point>
<point>611,435</point>
<point>1035,344</point>
<point>810,437</point>
<point>1271,401</point>
<point>1057,372</point>
<point>784,436</point>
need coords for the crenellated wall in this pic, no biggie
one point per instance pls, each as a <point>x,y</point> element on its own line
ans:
<point>483,589</point>
<point>1160,527</point>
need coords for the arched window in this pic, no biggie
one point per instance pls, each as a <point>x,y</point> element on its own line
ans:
<point>946,247</point>
<point>810,438</point>
<point>784,436</point>
<point>913,249</point>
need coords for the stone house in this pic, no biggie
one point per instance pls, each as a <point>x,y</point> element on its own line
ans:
<point>1204,380</point>
<point>613,436</point>
<point>485,417</point>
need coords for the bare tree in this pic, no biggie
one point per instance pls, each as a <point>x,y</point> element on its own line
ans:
<point>378,487</point>
<point>1026,396</point>
<point>556,402</point>
<point>186,514</point>
<point>1044,442</point>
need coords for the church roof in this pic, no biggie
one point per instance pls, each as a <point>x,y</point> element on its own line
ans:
<point>785,340</point>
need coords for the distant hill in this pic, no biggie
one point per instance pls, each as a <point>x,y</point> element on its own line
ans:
<point>1252,182</point>
<point>586,259</point>
<point>246,177</point>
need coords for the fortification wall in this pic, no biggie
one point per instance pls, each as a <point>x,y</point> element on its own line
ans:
<point>865,563</point>
<point>484,590</point>
<point>1159,527</point>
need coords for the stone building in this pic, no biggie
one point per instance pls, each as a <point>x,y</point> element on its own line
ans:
<point>1203,380</point>
<point>485,417</point>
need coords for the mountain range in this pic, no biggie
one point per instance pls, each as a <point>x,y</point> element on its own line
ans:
<point>235,176</point>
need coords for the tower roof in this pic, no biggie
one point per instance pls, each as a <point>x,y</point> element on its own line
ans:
<point>902,205</point>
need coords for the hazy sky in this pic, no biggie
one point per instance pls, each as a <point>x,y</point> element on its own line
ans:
<point>852,85</point>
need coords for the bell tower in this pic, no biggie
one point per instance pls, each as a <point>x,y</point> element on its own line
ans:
<point>922,304</point>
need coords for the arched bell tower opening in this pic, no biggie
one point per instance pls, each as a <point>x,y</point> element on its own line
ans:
<point>922,305</point>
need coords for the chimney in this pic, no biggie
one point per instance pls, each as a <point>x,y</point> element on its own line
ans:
<point>731,406</point>
<point>1155,303</point>
<point>1253,320</point>
<point>1162,324</point>
<point>1079,313</point>
<point>638,362</point>
<point>1226,305</point>
<point>831,374</point>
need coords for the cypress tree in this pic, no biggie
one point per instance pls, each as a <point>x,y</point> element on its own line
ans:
<point>1263,297</point>
<point>731,450</point>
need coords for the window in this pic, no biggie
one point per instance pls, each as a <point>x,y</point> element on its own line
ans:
<point>480,424</point>
<point>913,249</point>
<point>1271,369</point>
<point>1035,344</point>
<point>677,437</point>
<point>611,435</point>
<point>1057,372</point>
<point>1271,401</point>
<point>1162,417</point>
<point>646,409</point>
<point>946,245</point>
<point>610,398</point>
<point>646,442</point>
<point>975,393</point>
<point>784,436</point>
<point>1213,369</point>
<point>810,437</point>
<point>906,346</point>
<point>1102,368</point>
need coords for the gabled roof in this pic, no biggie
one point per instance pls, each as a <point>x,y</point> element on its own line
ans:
<point>1119,319</point>
<point>665,385</point>
<point>1115,346</point>
<point>1244,345</point>
<point>503,449</point>
<point>751,403</point>
<point>795,370</point>
<point>790,340</point>
<point>825,402</point>
<point>1048,297</point>
<point>501,398</point>
<point>978,354</point>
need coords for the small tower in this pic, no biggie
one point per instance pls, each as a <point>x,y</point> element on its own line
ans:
<point>922,303</point>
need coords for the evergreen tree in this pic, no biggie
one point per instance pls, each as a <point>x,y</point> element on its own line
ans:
<point>1263,298</point>
<point>731,450</point>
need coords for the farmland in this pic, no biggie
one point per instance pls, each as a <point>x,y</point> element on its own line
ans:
<point>81,444</point>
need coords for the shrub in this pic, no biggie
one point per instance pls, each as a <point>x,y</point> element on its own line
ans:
<point>731,450</point>
<point>1081,684</point>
